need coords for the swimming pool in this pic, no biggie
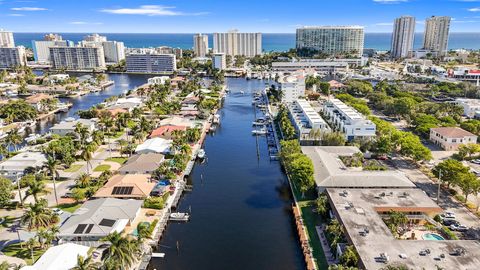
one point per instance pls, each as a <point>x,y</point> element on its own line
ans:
<point>432,236</point>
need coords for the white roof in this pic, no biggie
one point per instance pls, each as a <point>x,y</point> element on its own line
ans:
<point>156,145</point>
<point>61,257</point>
<point>22,161</point>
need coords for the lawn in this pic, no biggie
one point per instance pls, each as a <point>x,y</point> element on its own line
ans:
<point>119,160</point>
<point>69,207</point>
<point>310,220</point>
<point>16,250</point>
<point>115,135</point>
<point>73,168</point>
<point>102,168</point>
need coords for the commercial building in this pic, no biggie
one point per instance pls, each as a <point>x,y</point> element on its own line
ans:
<point>403,35</point>
<point>98,218</point>
<point>450,138</point>
<point>11,57</point>
<point>465,74</point>
<point>330,171</point>
<point>200,45</point>
<point>436,34</point>
<point>292,86</point>
<point>219,61</point>
<point>151,63</point>
<point>234,43</point>
<point>41,48</point>
<point>320,65</point>
<point>77,58</point>
<point>347,120</point>
<point>6,39</point>
<point>331,40</point>
<point>305,118</point>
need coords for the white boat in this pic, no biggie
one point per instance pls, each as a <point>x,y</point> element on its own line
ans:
<point>259,123</point>
<point>177,216</point>
<point>201,154</point>
<point>261,131</point>
<point>212,128</point>
<point>242,92</point>
<point>32,137</point>
<point>216,119</point>
<point>63,107</point>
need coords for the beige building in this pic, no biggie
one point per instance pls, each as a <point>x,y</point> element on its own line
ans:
<point>200,45</point>
<point>331,40</point>
<point>234,43</point>
<point>6,39</point>
<point>129,186</point>
<point>450,138</point>
<point>403,35</point>
<point>436,34</point>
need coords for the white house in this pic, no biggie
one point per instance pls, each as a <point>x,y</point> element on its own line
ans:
<point>154,145</point>
<point>15,166</point>
<point>347,120</point>
<point>68,126</point>
<point>61,257</point>
<point>470,106</point>
<point>305,118</point>
<point>158,80</point>
<point>450,138</point>
<point>292,86</point>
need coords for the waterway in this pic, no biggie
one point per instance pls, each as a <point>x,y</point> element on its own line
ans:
<point>240,203</point>
<point>123,83</point>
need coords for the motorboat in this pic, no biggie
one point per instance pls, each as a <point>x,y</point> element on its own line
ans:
<point>261,131</point>
<point>178,216</point>
<point>260,122</point>
<point>216,119</point>
<point>242,92</point>
<point>201,154</point>
<point>212,128</point>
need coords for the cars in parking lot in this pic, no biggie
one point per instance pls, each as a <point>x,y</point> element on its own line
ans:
<point>450,222</point>
<point>475,161</point>
<point>448,215</point>
<point>57,211</point>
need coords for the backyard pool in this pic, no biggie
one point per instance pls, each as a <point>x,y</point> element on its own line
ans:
<point>432,236</point>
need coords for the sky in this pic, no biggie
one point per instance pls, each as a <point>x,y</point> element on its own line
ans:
<point>207,16</point>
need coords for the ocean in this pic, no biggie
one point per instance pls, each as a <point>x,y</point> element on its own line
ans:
<point>271,42</point>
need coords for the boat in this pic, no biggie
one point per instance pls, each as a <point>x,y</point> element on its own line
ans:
<point>242,92</point>
<point>32,137</point>
<point>261,131</point>
<point>212,128</point>
<point>216,119</point>
<point>63,107</point>
<point>201,154</point>
<point>178,216</point>
<point>255,123</point>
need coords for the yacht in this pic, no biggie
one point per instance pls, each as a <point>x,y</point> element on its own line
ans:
<point>261,131</point>
<point>177,216</point>
<point>32,137</point>
<point>201,154</point>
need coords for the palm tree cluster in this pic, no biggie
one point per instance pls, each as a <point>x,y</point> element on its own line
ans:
<point>38,215</point>
<point>122,252</point>
<point>334,233</point>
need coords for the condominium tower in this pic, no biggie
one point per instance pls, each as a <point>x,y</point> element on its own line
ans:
<point>6,39</point>
<point>200,45</point>
<point>77,58</point>
<point>331,40</point>
<point>151,62</point>
<point>41,48</point>
<point>403,35</point>
<point>114,51</point>
<point>234,43</point>
<point>436,34</point>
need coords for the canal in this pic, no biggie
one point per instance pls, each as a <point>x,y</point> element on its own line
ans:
<point>240,203</point>
<point>123,83</point>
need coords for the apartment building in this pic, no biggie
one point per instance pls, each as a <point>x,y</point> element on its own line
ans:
<point>41,48</point>
<point>11,57</point>
<point>435,38</point>
<point>450,138</point>
<point>150,62</point>
<point>292,86</point>
<point>403,36</point>
<point>234,43</point>
<point>331,40</point>
<point>200,45</point>
<point>305,118</point>
<point>77,58</point>
<point>6,39</point>
<point>347,120</point>
<point>219,61</point>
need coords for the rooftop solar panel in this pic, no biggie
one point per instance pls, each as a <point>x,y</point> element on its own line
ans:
<point>107,222</point>
<point>80,228</point>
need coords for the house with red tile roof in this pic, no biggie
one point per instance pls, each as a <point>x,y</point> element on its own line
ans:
<point>165,132</point>
<point>450,138</point>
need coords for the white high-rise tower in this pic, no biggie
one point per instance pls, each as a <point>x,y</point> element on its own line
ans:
<point>403,35</point>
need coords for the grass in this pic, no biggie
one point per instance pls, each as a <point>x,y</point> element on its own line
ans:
<point>73,168</point>
<point>311,219</point>
<point>16,250</point>
<point>69,207</point>
<point>102,168</point>
<point>119,160</point>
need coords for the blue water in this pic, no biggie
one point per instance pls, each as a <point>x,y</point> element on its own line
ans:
<point>271,42</point>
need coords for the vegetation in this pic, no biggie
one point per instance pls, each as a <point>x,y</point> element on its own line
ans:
<point>6,189</point>
<point>156,202</point>
<point>121,253</point>
<point>39,216</point>
<point>298,166</point>
<point>349,257</point>
<point>396,222</point>
<point>17,111</point>
<point>288,131</point>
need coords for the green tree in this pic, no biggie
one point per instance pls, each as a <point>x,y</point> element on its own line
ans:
<point>333,139</point>
<point>122,251</point>
<point>449,171</point>
<point>36,186</point>
<point>469,184</point>
<point>6,189</point>
<point>322,205</point>
<point>349,257</point>
<point>86,263</point>
<point>38,215</point>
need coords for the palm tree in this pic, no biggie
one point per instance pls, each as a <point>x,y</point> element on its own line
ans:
<point>13,138</point>
<point>98,137</point>
<point>36,186</point>
<point>87,155</point>
<point>38,216</point>
<point>83,132</point>
<point>3,150</point>
<point>31,244</point>
<point>143,232</point>
<point>86,263</point>
<point>122,251</point>
<point>52,168</point>
<point>122,143</point>
<point>83,180</point>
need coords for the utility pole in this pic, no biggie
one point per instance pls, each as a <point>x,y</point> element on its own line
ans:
<point>439,183</point>
<point>19,189</point>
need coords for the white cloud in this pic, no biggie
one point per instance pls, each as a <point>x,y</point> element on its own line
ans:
<point>467,21</point>
<point>29,9</point>
<point>149,10</point>
<point>15,15</point>
<point>477,9</point>
<point>390,1</point>
<point>85,23</point>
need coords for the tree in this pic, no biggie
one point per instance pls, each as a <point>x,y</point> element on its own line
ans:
<point>301,172</point>
<point>86,263</point>
<point>143,231</point>
<point>38,215</point>
<point>322,204</point>
<point>83,180</point>
<point>35,186</point>
<point>78,194</point>
<point>349,257</point>
<point>31,244</point>
<point>6,189</point>
<point>121,252</point>
<point>13,138</point>
<point>449,171</point>
<point>403,106</point>
<point>468,149</point>
<point>333,139</point>
<point>469,184</point>
<point>324,88</point>
<point>51,165</point>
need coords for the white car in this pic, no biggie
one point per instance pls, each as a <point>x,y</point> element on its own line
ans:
<point>57,211</point>
<point>449,214</point>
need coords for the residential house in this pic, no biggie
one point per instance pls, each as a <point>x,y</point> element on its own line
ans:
<point>36,101</point>
<point>166,132</point>
<point>142,164</point>
<point>450,138</point>
<point>15,166</point>
<point>98,218</point>
<point>69,125</point>
<point>154,145</point>
<point>61,257</point>
<point>128,186</point>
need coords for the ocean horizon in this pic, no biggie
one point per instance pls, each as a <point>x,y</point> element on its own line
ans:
<point>270,41</point>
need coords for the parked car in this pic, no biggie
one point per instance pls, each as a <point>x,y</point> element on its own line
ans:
<point>450,222</point>
<point>448,214</point>
<point>475,161</point>
<point>57,211</point>
<point>462,228</point>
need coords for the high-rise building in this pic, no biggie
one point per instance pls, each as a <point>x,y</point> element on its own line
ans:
<point>170,50</point>
<point>41,49</point>
<point>436,34</point>
<point>331,40</point>
<point>114,51</point>
<point>52,37</point>
<point>151,62</point>
<point>402,37</point>
<point>235,43</point>
<point>6,39</point>
<point>77,58</point>
<point>219,61</point>
<point>11,57</point>
<point>200,45</point>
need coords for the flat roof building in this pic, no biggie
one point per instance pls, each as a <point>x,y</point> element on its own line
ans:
<point>11,57</point>
<point>151,63</point>
<point>219,61</point>
<point>436,34</point>
<point>234,43</point>
<point>305,118</point>
<point>470,106</point>
<point>6,39</point>
<point>402,37</point>
<point>77,58</point>
<point>200,45</point>
<point>347,120</point>
<point>292,86</point>
<point>331,40</point>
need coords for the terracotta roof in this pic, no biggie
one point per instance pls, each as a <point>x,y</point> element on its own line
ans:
<point>140,184</point>
<point>116,111</point>
<point>165,130</point>
<point>335,84</point>
<point>452,132</point>
<point>37,98</point>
